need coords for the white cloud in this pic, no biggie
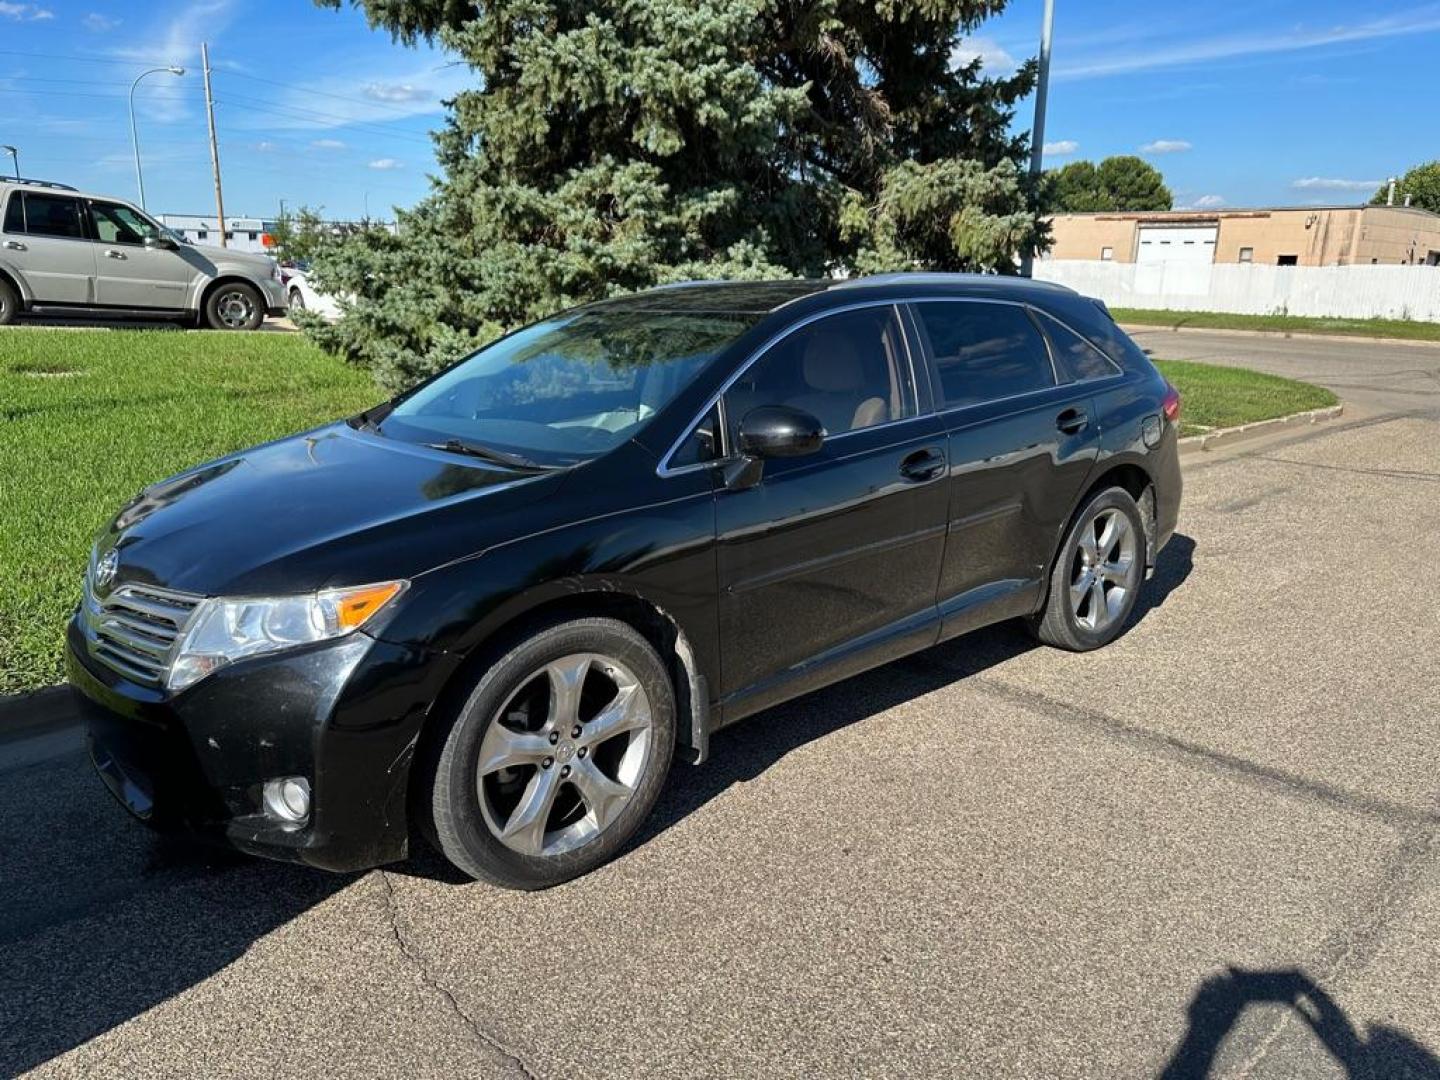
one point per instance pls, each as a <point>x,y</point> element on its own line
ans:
<point>1325,183</point>
<point>25,12</point>
<point>1423,19</point>
<point>1165,146</point>
<point>401,93</point>
<point>98,24</point>
<point>994,58</point>
<point>176,42</point>
<point>1063,146</point>
<point>328,144</point>
<point>266,147</point>
<point>1206,202</point>
<point>385,164</point>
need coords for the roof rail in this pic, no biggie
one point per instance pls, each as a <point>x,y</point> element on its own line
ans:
<point>28,181</point>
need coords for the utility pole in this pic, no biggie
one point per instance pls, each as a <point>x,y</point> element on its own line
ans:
<point>1037,135</point>
<point>214,146</point>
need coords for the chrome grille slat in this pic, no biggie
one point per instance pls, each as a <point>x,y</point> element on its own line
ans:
<point>134,629</point>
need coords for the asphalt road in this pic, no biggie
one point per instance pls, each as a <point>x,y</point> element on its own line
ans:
<point>1212,849</point>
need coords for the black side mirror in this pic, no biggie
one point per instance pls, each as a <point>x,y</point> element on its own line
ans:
<point>160,243</point>
<point>778,431</point>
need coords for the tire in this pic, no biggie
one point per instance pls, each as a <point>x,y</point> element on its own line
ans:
<point>1075,616</point>
<point>297,300</point>
<point>234,306</point>
<point>9,303</point>
<point>507,802</point>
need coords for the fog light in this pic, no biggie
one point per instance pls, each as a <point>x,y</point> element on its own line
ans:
<point>288,798</point>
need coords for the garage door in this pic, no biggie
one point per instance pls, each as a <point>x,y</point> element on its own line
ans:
<point>1193,244</point>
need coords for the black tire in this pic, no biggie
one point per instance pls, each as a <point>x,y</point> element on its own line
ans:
<point>9,303</point>
<point>461,827</point>
<point>234,305</point>
<point>297,300</point>
<point>1092,623</point>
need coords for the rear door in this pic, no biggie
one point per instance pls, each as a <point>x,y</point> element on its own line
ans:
<point>45,242</point>
<point>127,273</point>
<point>1021,442</point>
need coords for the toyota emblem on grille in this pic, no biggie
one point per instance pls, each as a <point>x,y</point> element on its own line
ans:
<point>105,569</point>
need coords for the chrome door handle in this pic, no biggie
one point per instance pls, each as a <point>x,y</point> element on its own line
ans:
<point>14,245</point>
<point>113,254</point>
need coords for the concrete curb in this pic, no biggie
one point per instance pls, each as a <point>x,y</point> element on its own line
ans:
<point>36,712</point>
<point>1194,444</point>
<point>1290,335</point>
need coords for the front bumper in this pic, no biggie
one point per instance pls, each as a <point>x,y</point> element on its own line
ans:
<point>345,715</point>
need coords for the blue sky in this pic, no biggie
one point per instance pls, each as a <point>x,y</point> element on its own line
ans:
<point>1273,102</point>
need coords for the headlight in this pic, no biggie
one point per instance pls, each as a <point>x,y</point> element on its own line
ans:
<point>224,630</point>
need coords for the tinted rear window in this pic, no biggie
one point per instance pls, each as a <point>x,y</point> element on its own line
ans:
<point>984,352</point>
<point>53,215</point>
<point>15,213</point>
<point>1076,358</point>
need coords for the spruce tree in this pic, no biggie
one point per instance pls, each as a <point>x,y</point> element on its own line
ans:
<point>611,145</point>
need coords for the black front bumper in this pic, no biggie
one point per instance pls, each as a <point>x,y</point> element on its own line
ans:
<point>344,715</point>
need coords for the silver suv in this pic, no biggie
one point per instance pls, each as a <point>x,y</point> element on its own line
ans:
<point>63,252</point>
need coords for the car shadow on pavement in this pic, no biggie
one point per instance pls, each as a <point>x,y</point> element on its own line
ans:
<point>103,919</point>
<point>743,752</point>
<point>1380,1053</point>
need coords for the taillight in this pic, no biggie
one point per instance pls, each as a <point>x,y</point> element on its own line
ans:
<point>1171,405</point>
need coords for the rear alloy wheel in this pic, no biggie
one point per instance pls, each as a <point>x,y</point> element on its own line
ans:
<point>234,306</point>
<point>9,303</point>
<point>557,758</point>
<point>1097,576</point>
<point>297,300</point>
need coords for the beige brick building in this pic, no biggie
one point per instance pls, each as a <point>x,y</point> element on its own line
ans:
<point>1285,236</point>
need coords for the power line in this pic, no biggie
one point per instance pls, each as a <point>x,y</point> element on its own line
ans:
<point>247,105</point>
<point>309,92</point>
<point>300,112</point>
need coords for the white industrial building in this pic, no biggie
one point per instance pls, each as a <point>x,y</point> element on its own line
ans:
<point>241,233</point>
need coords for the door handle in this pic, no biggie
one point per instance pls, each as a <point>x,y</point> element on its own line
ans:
<point>923,465</point>
<point>1072,421</point>
<point>113,254</point>
<point>15,245</point>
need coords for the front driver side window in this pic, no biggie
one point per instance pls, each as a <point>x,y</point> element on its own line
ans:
<point>850,370</point>
<point>116,224</point>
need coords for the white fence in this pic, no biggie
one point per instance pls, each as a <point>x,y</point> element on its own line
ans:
<point>1354,292</point>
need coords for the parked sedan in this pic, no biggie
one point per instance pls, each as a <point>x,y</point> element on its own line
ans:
<point>303,295</point>
<point>492,611</point>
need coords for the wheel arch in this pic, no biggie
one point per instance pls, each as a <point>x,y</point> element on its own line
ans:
<point>227,278</point>
<point>587,599</point>
<point>1131,475</point>
<point>14,282</point>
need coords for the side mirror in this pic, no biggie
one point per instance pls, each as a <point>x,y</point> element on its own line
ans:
<point>160,243</point>
<point>779,431</point>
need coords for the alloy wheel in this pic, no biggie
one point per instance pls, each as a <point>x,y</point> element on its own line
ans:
<point>561,759</point>
<point>235,309</point>
<point>1103,572</point>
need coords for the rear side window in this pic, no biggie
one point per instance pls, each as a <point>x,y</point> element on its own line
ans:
<point>15,213</point>
<point>984,352</point>
<point>52,215</point>
<point>1076,358</point>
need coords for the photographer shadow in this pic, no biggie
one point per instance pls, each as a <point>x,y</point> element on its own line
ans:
<point>1379,1053</point>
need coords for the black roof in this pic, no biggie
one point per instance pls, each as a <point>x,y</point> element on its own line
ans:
<point>762,297</point>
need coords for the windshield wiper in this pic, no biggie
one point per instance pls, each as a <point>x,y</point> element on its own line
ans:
<point>500,457</point>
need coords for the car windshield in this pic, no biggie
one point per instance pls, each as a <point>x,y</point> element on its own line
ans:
<point>565,390</point>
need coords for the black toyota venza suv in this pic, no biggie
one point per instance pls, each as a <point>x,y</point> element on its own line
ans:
<point>492,610</point>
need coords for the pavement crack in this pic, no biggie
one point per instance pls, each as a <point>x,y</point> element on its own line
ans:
<point>1216,762</point>
<point>392,918</point>
<point>1396,474</point>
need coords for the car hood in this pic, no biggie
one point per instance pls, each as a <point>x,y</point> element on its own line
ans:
<point>326,508</point>
<point>252,261</point>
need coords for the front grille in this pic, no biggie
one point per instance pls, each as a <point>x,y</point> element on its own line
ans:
<point>134,629</point>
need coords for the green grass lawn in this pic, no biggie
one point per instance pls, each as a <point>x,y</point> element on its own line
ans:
<point>1290,324</point>
<point>88,418</point>
<point>1218,397</point>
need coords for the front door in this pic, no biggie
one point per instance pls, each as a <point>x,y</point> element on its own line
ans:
<point>829,563</point>
<point>44,241</point>
<point>129,274</point>
<point>1021,443</point>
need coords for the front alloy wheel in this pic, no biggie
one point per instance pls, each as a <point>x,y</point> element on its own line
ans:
<point>557,757</point>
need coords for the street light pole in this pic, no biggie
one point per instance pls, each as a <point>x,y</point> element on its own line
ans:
<point>1042,93</point>
<point>15,157</point>
<point>134,134</point>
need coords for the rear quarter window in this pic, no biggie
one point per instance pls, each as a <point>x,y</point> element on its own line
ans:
<point>15,213</point>
<point>1076,358</point>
